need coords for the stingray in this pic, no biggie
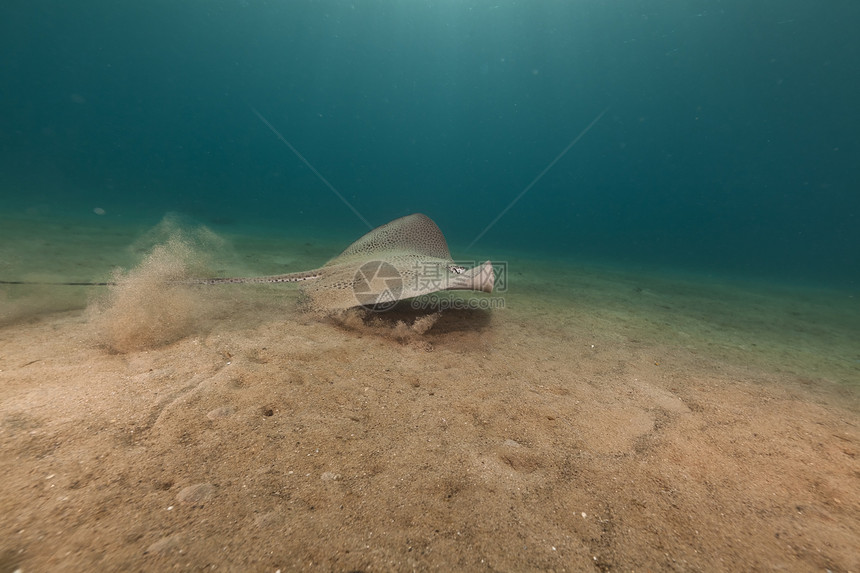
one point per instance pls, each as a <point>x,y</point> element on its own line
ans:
<point>403,259</point>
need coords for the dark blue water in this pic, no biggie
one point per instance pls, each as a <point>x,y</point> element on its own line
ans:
<point>730,145</point>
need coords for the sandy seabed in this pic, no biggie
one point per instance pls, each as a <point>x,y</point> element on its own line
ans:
<point>602,420</point>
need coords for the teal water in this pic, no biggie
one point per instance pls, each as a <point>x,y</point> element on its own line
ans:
<point>729,145</point>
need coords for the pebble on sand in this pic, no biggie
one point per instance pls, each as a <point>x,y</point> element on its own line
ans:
<point>221,412</point>
<point>165,544</point>
<point>196,494</point>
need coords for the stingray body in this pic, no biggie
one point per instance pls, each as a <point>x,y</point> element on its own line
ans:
<point>405,258</point>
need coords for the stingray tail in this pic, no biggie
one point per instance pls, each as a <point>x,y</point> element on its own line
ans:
<point>288,278</point>
<point>49,283</point>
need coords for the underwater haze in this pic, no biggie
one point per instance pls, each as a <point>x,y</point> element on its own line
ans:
<point>665,376</point>
<point>729,145</point>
